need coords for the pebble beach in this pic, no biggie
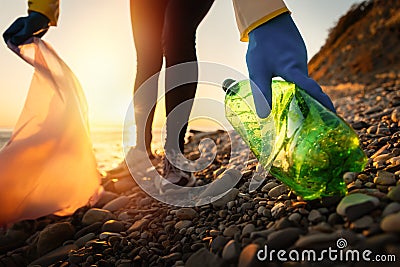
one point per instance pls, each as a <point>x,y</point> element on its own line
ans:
<point>127,227</point>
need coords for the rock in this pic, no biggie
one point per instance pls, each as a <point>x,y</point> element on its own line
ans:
<point>106,197</point>
<point>218,244</point>
<point>391,208</point>
<point>384,178</point>
<point>248,257</point>
<point>117,203</point>
<point>183,224</point>
<point>186,214</point>
<point>56,255</point>
<point>315,241</point>
<point>202,258</point>
<point>80,242</point>
<point>294,217</point>
<point>248,229</point>
<point>268,186</point>
<point>278,190</point>
<point>113,226</point>
<point>231,251</point>
<point>173,257</point>
<point>97,215</point>
<point>391,223</point>
<point>138,225</point>
<point>124,185</point>
<point>230,196</point>
<point>231,231</point>
<point>349,177</point>
<point>394,193</point>
<point>362,223</point>
<point>284,238</point>
<point>355,205</point>
<point>315,216</point>
<point>53,236</point>
<point>107,235</point>
<point>278,210</point>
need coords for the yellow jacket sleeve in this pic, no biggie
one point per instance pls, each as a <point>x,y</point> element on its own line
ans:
<point>49,8</point>
<point>252,13</point>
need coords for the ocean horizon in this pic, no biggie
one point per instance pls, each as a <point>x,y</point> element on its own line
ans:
<point>107,143</point>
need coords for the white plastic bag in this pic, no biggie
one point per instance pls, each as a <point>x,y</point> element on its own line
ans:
<point>48,166</point>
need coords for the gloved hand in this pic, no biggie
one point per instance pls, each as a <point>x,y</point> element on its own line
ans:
<point>276,48</point>
<point>35,24</point>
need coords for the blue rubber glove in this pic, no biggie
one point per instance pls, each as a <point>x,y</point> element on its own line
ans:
<point>276,48</point>
<point>35,24</point>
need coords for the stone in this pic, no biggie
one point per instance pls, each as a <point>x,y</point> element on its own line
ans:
<point>218,243</point>
<point>349,177</point>
<point>53,236</point>
<point>391,223</point>
<point>315,241</point>
<point>248,229</point>
<point>394,193</point>
<point>106,197</point>
<point>392,207</point>
<point>231,251</point>
<point>294,217</point>
<point>97,215</point>
<point>117,203</point>
<point>278,190</point>
<point>173,257</point>
<point>59,254</point>
<point>355,205</point>
<point>138,225</point>
<point>186,214</point>
<point>113,226</point>
<point>107,235</point>
<point>203,258</point>
<point>268,186</point>
<point>231,231</point>
<point>230,196</point>
<point>284,238</point>
<point>384,178</point>
<point>124,185</point>
<point>248,257</point>
<point>315,216</point>
<point>183,224</point>
<point>362,223</point>
<point>80,242</point>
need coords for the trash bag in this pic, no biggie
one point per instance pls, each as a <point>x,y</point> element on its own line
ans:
<point>301,142</point>
<point>48,165</point>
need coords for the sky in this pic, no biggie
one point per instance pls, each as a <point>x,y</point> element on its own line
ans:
<point>94,38</point>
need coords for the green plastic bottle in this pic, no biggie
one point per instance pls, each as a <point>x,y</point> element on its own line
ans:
<point>305,145</point>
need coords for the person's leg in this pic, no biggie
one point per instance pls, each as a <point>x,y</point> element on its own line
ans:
<point>147,19</point>
<point>181,21</point>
